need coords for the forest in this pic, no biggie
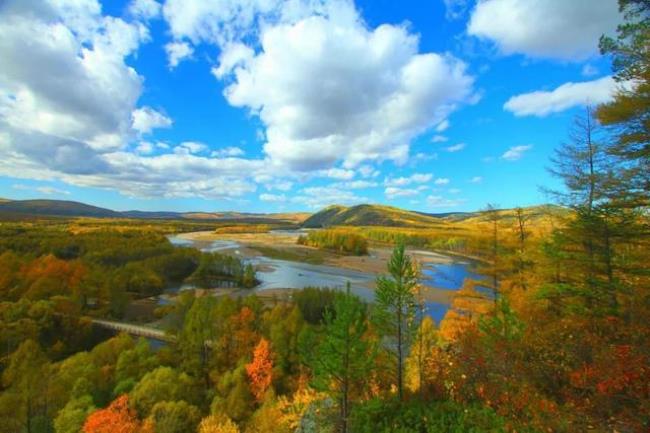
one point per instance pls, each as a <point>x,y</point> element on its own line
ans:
<point>560,342</point>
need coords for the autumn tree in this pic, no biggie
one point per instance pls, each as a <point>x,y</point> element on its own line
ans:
<point>424,343</point>
<point>594,228</point>
<point>260,370</point>
<point>395,308</point>
<point>217,423</point>
<point>118,417</point>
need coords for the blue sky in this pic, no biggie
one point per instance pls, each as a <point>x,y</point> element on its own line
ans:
<point>270,106</point>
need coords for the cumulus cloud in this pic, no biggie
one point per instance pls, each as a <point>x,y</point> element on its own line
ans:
<point>145,9</point>
<point>190,147</point>
<point>559,29</point>
<point>226,152</point>
<point>392,192</point>
<point>403,181</point>
<point>146,119</point>
<point>177,52</point>
<point>542,103</point>
<point>441,181</point>
<point>274,198</point>
<point>516,152</point>
<point>379,94</point>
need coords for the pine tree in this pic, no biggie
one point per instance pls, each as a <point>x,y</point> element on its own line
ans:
<point>343,358</point>
<point>395,306</point>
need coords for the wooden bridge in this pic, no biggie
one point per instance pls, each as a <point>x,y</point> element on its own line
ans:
<point>137,330</point>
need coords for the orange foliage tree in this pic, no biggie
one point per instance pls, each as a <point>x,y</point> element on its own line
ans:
<point>260,370</point>
<point>118,417</point>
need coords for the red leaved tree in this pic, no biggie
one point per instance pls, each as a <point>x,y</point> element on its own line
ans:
<point>118,417</point>
<point>260,370</point>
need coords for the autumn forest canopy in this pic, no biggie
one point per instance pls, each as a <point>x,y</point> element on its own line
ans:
<point>127,322</point>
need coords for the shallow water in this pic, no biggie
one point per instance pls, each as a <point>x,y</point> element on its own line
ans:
<point>284,274</point>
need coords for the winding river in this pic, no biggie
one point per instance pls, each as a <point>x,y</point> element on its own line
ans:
<point>441,279</point>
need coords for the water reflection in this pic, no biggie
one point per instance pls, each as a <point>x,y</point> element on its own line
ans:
<point>284,274</point>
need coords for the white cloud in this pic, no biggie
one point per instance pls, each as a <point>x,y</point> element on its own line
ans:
<point>516,152</point>
<point>145,9</point>
<point>441,181</point>
<point>439,139</point>
<point>559,29</point>
<point>338,173</point>
<point>177,52</point>
<point>436,201</point>
<point>274,198</point>
<point>279,185</point>
<point>190,147</point>
<point>454,191</point>
<point>394,192</point>
<point>380,92</point>
<point>568,95</point>
<point>48,190</point>
<point>455,148</point>
<point>233,55</point>
<point>356,184</point>
<point>87,108</point>
<point>455,9</point>
<point>144,148</point>
<point>442,126</point>
<point>368,171</point>
<point>476,179</point>
<point>146,119</point>
<point>226,152</point>
<point>403,181</point>
<point>52,191</point>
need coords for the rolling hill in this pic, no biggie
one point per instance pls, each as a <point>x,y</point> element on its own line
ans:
<point>57,208</point>
<point>368,215</point>
<point>387,216</point>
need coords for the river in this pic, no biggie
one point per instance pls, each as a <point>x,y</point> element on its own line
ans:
<point>440,279</point>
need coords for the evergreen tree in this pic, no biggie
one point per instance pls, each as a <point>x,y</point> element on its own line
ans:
<point>343,358</point>
<point>395,306</point>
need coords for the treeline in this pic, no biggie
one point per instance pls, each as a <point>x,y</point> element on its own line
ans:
<point>102,269</point>
<point>338,240</point>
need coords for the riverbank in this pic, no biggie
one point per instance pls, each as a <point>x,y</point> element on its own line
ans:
<point>283,245</point>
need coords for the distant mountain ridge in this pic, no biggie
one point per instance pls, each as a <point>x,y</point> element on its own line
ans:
<point>43,207</point>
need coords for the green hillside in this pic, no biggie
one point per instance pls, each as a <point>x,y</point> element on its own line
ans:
<point>369,215</point>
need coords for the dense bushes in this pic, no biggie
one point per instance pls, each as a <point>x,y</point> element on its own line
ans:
<point>391,416</point>
<point>341,241</point>
<point>313,302</point>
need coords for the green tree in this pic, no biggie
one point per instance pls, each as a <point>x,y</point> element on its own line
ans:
<point>71,418</point>
<point>26,380</point>
<point>628,115</point>
<point>395,307</point>
<point>174,417</point>
<point>343,358</point>
<point>162,384</point>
